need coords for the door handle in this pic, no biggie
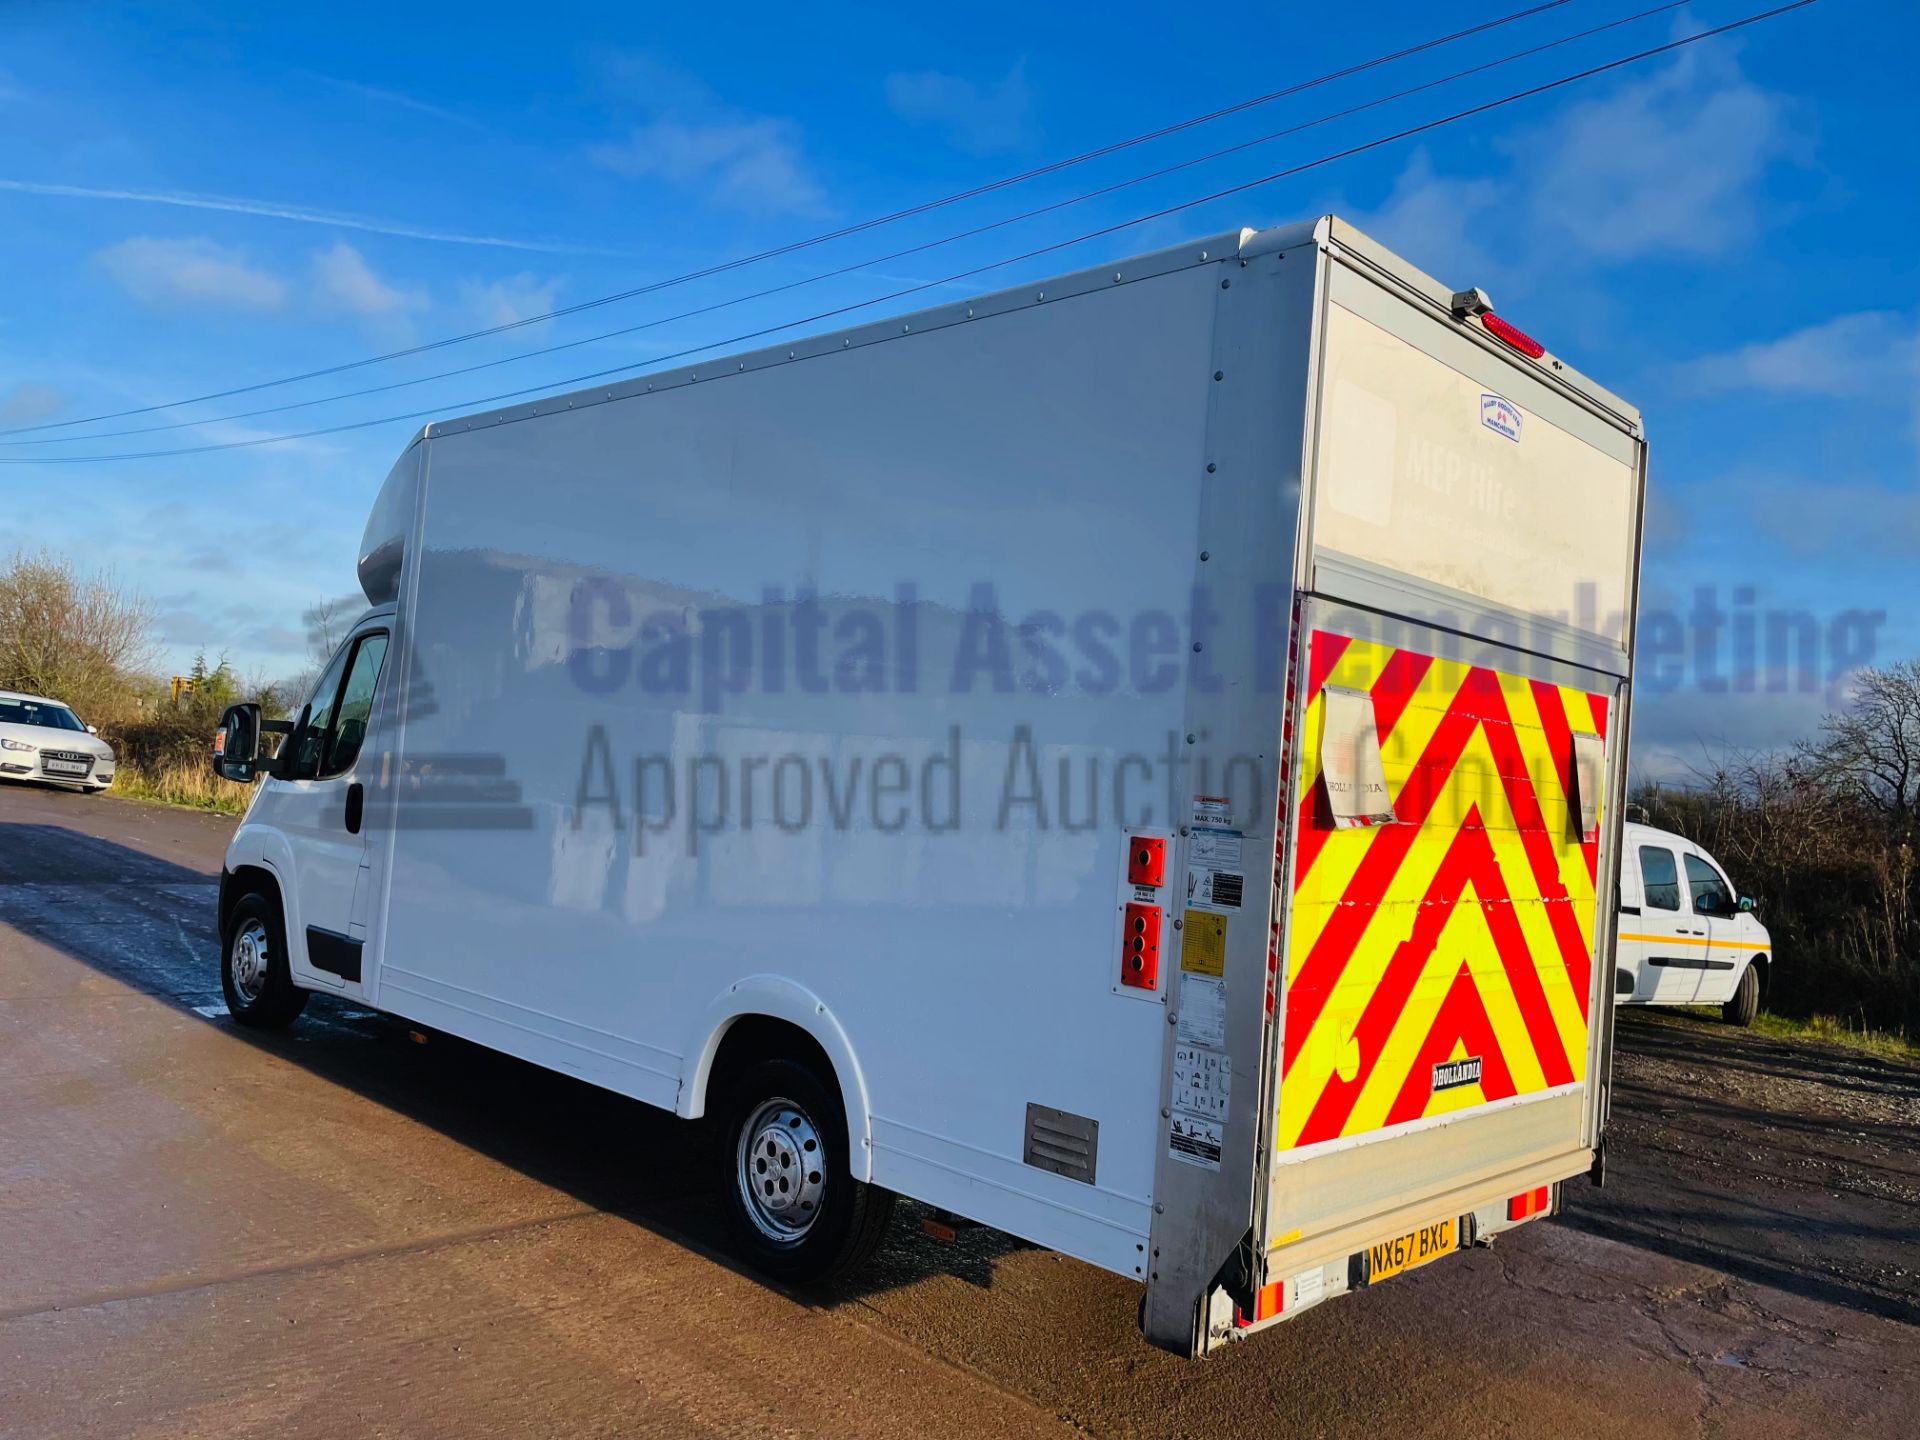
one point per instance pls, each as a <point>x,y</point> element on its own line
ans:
<point>356,804</point>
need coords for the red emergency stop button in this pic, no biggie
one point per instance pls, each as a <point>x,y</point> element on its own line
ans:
<point>1140,947</point>
<point>1146,860</point>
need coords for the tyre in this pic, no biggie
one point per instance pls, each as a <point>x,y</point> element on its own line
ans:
<point>253,965</point>
<point>796,1210</point>
<point>1745,1003</point>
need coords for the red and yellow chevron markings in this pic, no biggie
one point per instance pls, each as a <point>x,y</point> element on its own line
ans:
<point>1465,929</point>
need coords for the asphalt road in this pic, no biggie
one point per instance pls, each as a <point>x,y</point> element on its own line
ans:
<point>338,1232</point>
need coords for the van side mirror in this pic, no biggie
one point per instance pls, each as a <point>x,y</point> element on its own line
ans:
<point>236,744</point>
<point>1746,904</point>
<point>237,752</point>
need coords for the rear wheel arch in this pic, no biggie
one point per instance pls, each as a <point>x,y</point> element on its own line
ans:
<point>764,1017</point>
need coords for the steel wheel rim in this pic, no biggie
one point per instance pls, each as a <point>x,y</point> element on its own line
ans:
<point>247,961</point>
<point>781,1168</point>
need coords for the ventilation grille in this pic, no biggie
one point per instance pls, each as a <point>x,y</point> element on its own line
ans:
<point>1060,1141</point>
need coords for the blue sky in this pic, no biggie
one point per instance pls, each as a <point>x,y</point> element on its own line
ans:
<point>194,197</point>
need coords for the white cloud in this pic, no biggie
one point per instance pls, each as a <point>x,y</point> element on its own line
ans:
<point>654,82</point>
<point>517,297</point>
<point>978,118</point>
<point>1671,163</point>
<point>748,164</point>
<point>30,402</point>
<point>1870,355</point>
<point>1683,735</point>
<point>343,281</point>
<point>1667,524</point>
<point>1435,218</point>
<point>188,630</point>
<point>1812,515</point>
<point>201,273</point>
<point>212,560</point>
<point>1824,518</point>
<point>191,273</point>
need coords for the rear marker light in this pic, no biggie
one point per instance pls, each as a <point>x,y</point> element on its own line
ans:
<point>1140,947</point>
<point>1267,1303</point>
<point>1518,339</point>
<point>1146,860</point>
<point>1523,1207</point>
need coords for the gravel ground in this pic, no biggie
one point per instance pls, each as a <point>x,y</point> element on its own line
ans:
<point>1789,1162</point>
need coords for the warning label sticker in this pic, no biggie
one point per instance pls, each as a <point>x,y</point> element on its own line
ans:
<point>1224,888</point>
<point>1196,1141</point>
<point>1214,849</point>
<point>1212,810</point>
<point>1203,943</point>
<point>1202,1088</point>
<point>1203,1011</point>
<point>1214,876</point>
<point>1202,1080</point>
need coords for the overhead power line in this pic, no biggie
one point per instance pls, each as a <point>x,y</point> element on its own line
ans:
<point>922,208</point>
<point>1142,219</point>
<point>866,264</point>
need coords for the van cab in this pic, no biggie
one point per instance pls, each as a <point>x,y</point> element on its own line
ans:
<point>1687,936</point>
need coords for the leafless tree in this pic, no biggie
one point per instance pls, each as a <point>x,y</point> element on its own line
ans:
<point>80,638</point>
<point>1873,747</point>
<point>327,624</point>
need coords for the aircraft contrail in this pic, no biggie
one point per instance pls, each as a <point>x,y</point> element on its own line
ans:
<point>272,210</point>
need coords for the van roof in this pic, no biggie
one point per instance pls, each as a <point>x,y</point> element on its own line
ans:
<point>1640,830</point>
<point>1326,231</point>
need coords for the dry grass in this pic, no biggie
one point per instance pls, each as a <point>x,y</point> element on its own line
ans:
<point>1849,1032</point>
<point>178,782</point>
<point>1839,1030</point>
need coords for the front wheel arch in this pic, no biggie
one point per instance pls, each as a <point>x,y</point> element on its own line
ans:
<point>256,978</point>
<point>239,881</point>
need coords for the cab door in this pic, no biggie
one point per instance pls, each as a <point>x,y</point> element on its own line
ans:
<point>1719,913</point>
<point>1666,939</point>
<point>319,806</point>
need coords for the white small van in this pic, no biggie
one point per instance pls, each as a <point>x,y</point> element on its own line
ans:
<point>1687,937</point>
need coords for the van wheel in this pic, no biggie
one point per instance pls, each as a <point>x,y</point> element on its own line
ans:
<point>796,1209</point>
<point>1745,1003</point>
<point>253,965</point>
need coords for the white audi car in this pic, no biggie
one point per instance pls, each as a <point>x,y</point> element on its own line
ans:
<point>41,739</point>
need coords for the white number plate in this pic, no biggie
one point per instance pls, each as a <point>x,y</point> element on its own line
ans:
<point>64,767</point>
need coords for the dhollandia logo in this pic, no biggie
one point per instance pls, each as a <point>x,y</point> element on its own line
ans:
<point>1500,415</point>
<point>1452,1074</point>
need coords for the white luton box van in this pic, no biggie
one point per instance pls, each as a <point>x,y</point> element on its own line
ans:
<point>1133,760</point>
